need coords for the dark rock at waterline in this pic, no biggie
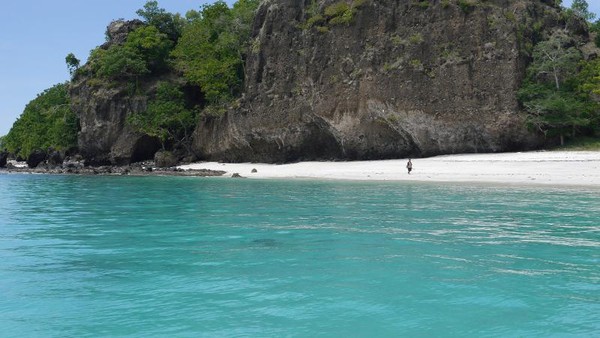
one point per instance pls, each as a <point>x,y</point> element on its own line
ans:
<point>72,163</point>
<point>165,159</point>
<point>237,175</point>
<point>254,171</point>
<point>3,159</point>
<point>35,158</point>
<point>55,158</point>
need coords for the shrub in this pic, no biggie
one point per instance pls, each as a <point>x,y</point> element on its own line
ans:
<point>467,6</point>
<point>422,4</point>
<point>416,38</point>
<point>339,13</point>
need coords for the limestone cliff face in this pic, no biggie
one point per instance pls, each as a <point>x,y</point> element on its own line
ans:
<point>401,79</point>
<point>102,108</point>
<point>105,137</point>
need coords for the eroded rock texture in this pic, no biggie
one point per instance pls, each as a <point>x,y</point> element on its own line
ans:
<point>399,80</point>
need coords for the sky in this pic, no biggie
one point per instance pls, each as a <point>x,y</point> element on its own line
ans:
<point>36,35</point>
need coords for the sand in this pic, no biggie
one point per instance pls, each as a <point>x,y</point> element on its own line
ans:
<point>561,168</point>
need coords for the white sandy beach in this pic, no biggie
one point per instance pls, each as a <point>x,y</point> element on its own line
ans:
<point>543,167</point>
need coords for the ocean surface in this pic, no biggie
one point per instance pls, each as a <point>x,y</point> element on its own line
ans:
<point>214,257</point>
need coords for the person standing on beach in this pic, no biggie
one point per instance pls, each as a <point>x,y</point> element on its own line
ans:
<point>409,166</point>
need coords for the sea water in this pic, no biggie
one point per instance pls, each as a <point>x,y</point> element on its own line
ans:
<point>205,257</point>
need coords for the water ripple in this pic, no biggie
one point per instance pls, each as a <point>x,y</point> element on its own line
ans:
<point>118,256</point>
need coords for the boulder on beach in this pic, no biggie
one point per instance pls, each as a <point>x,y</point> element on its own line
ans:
<point>35,158</point>
<point>55,158</point>
<point>165,159</point>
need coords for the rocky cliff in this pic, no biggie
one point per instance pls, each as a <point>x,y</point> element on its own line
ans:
<point>391,78</point>
<point>346,79</point>
<point>103,107</point>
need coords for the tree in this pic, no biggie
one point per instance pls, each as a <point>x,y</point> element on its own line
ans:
<point>47,121</point>
<point>588,78</point>
<point>120,62</point>
<point>550,93</point>
<point>145,51</point>
<point>165,22</point>
<point>555,113</point>
<point>556,58</point>
<point>580,8</point>
<point>166,117</point>
<point>72,63</point>
<point>152,45</point>
<point>211,49</point>
<point>588,87</point>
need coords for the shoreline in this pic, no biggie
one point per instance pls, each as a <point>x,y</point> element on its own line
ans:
<point>138,169</point>
<point>548,168</point>
<point>536,168</point>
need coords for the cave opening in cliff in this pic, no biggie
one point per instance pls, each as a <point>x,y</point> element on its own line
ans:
<point>145,148</point>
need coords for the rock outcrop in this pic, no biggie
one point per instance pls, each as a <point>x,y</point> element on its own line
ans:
<point>103,108</point>
<point>3,158</point>
<point>402,78</point>
<point>36,157</point>
<point>165,159</point>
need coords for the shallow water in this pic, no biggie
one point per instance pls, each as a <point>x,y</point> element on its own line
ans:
<point>189,257</point>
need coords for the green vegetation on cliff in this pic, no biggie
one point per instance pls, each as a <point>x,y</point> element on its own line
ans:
<point>167,23</point>
<point>47,121</point>
<point>560,92</point>
<point>166,117</point>
<point>145,52</point>
<point>182,68</point>
<point>207,48</point>
<point>210,52</point>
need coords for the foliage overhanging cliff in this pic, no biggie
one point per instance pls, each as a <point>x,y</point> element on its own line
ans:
<point>280,81</point>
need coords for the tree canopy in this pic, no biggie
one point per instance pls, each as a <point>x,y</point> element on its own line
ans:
<point>580,8</point>
<point>72,63</point>
<point>166,116</point>
<point>47,121</point>
<point>211,48</point>
<point>557,90</point>
<point>145,51</point>
<point>167,23</point>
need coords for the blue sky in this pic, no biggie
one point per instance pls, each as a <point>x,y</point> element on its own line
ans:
<point>38,34</point>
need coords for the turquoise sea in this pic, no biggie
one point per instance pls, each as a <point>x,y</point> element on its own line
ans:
<point>214,257</point>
